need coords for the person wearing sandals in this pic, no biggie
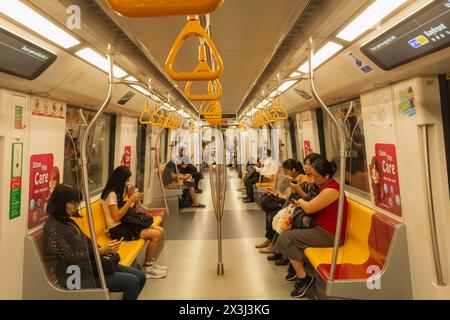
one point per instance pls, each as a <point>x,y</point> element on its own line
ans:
<point>115,208</point>
<point>173,180</point>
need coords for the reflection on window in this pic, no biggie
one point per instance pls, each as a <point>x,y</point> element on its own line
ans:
<point>350,118</point>
<point>97,146</point>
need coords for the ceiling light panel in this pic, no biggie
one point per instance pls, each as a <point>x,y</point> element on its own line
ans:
<point>286,85</point>
<point>325,53</point>
<point>369,18</point>
<point>32,20</point>
<point>99,61</point>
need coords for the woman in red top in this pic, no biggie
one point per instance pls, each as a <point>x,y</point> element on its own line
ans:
<point>292,243</point>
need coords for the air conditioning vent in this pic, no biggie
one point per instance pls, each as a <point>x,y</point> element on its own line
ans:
<point>127,97</point>
<point>302,93</point>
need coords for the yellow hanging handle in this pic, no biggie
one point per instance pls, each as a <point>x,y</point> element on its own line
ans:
<point>146,115</point>
<point>211,109</point>
<point>282,113</point>
<point>211,96</point>
<point>215,122</point>
<point>203,71</point>
<point>155,8</point>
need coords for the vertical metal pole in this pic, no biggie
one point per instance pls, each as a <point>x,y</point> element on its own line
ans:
<point>337,236</point>
<point>430,204</point>
<point>158,163</point>
<point>84,165</point>
<point>218,188</point>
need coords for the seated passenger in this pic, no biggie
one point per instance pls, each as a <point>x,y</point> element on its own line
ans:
<point>304,185</point>
<point>67,245</point>
<point>294,170</point>
<point>115,208</point>
<point>173,180</point>
<point>269,169</point>
<point>186,167</point>
<point>292,243</point>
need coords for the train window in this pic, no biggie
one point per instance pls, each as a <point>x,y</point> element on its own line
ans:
<point>350,117</point>
<point>98,148</point>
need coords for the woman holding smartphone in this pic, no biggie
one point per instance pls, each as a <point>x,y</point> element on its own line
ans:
<point>66,245</point>
<point>294,171</point>
<point>115,208</point>
<point>304,183</point>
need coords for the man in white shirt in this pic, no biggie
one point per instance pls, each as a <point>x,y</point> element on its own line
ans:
<point>269,169</point>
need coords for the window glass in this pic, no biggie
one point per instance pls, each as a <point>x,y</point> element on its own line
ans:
<point>350,118</point>
<point>98,147</point>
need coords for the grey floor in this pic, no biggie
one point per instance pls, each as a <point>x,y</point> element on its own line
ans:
<point>190,252</point>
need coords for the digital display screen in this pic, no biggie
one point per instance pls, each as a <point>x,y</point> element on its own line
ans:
<point>425,32</point>
<point>22,58</point>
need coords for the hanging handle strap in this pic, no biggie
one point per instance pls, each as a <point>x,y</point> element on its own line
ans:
<point>203,71</point>
<point>215,92</point>
<point>157,8</point>
<point>146,115</point>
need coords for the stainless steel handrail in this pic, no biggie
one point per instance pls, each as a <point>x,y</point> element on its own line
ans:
<point>337,236</point>
<point>158,164</point>
<point>84,165</point>
<point>217,179</point>
<point>430,205</point>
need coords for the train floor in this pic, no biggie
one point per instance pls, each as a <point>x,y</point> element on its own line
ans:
<point>190,252</point>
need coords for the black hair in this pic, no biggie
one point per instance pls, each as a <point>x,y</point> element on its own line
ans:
<point>292,164</point>
<point>116,183</point>
<point>59,198</point>
<point>311,158</point>
<point>325,167</point>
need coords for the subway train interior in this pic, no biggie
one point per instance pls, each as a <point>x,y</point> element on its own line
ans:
<point>225,150</point>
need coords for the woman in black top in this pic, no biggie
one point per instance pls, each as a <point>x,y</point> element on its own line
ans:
<point>66,246</point>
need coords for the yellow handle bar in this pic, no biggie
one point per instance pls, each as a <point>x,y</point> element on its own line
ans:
<point>211,96</point>
<point>211,109</point>
<point>154,8</point>
<point>203,71</point>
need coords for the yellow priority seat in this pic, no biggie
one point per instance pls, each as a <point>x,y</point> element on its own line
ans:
<point>128,250</point>
<point>154,8</point>
<point>356,247</point>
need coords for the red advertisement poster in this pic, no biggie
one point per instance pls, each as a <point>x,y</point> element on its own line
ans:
<point>307,146</point>
<point>384,179</point>
<point>126,158</point>
<point>43,180</point>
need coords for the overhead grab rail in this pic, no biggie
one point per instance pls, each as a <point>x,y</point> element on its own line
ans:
<point>157,8</point>
<point>215,92</point>
<point>203,71</point>
<point>342,162</point>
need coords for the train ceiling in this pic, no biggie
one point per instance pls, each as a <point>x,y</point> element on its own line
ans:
<point>246,34</point>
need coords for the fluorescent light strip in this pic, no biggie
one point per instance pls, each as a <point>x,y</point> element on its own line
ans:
<point>286,85</point>
<point>138,88</point>
<point>325,53</point>
<point>99,61</point>
<point>369,18</point>
<point>24,15</point>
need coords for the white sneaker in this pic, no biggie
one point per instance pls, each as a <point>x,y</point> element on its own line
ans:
<point>153,273</point>
<point>157,266</point>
